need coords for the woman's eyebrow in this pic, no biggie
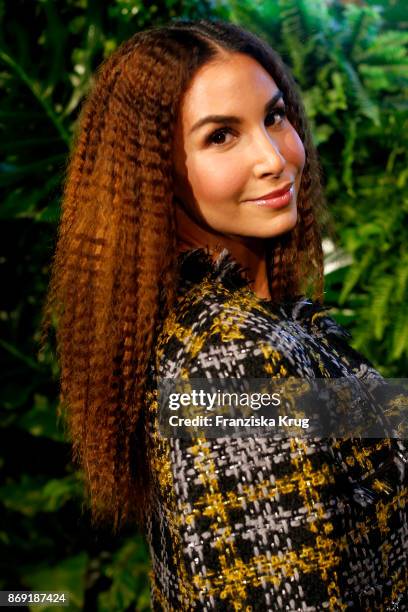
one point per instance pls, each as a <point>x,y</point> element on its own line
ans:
<point>231,118</point>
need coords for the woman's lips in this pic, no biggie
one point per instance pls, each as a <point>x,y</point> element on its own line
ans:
<point>274,202</point>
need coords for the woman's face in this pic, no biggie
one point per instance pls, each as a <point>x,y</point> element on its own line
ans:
<point>220,164</point>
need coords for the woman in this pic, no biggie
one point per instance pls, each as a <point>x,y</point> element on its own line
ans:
<point>190,235</point>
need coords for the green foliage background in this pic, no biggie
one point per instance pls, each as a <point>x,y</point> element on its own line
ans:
<point>350,60</point>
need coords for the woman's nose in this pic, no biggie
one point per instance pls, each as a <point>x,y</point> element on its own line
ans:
<point>267,156</point>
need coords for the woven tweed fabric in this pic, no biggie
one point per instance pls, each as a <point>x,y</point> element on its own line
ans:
<point>267,523</point>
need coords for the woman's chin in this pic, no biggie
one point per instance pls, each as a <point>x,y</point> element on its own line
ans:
<point>280,224</point>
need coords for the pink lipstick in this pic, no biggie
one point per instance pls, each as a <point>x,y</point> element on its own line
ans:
<point>276,199</point>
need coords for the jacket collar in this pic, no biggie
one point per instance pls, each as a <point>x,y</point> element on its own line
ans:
<point>198,265</point>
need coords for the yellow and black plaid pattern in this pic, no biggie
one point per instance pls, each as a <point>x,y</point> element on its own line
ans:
<point>268,523</point>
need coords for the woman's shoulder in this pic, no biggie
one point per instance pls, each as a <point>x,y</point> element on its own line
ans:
<point>218,315</point>
<point>216,294</point>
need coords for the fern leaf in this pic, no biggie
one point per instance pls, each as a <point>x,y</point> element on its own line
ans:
<point>401,278</point>
<point>354,274</point>
<point>294,35</point>
<point>364,102</point>
<point>400,335</point>
<point>391,39</point>
<point>380,307</point>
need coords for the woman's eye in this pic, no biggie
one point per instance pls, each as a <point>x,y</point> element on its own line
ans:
<point>280,112</point>
<point>215,137</point>
<point>218,136</point>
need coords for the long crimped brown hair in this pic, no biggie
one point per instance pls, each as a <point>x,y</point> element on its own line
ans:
<point>114,272</point>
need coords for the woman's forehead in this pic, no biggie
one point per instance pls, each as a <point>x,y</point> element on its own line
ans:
<point>226,82</point>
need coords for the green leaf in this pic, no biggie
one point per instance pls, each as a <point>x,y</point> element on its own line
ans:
<point>34,494</point>
<point>354,275</point>
<point>41,419</point>
<point>380,306</point>
<point>128,569</point>
<point>13,173</point>
<point>366,105</point>
<point>15,352</point>
<point>35,89</point>
<point>400,335</point>
<point>67,576</point>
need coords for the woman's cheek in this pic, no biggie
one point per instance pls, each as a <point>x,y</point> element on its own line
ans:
<point>294,149</point>
<point>217,177</point>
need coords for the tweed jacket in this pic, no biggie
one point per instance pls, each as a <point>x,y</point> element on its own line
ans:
<point>267,523</point>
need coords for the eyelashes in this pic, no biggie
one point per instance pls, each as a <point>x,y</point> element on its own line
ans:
<point>221,132</point>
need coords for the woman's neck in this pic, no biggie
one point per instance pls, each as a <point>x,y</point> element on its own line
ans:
<point>248,252</point>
